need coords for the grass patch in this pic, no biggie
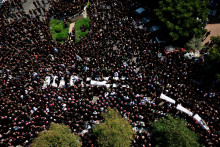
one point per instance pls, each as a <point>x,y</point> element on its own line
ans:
<point>57,28</point>
<point>87,5</point>
<point>78,24</point>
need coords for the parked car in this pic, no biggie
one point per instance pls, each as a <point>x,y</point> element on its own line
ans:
<point>145,20</point>
<point>155,28</point>
<point>140,11</point>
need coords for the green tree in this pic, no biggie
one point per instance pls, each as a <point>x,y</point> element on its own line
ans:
<point>195,43</point>
<point>115,131</point>
<point>57,136</point>
<point>215,55</point>
<point>215,51</point>
<point>183,19</point>
<point>60,37</point>
<point>172,132</point>
<point>59,28</point>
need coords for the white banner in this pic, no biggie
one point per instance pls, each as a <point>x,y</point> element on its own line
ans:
<point>200,121</point>
<point>46,82</point>
<point>54,84</point>
<point>98,83</point>
<point>181,108</point>
<point>62,83</point>
<point>164,97</point>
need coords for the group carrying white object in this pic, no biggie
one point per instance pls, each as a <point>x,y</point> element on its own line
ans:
<point>73,79</point>
<point>54,84</point>
<point>181,108</point>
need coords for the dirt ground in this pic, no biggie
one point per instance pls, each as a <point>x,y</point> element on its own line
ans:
<point>215,31</point>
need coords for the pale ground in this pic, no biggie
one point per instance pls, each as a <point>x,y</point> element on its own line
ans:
<point>73,24</point>
<point>215,31</point>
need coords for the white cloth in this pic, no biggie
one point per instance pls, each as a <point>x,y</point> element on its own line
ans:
<point>62,83</point>
<point>54,84</point>
<point>181,108</point>
<point>71,80</point>
<point>98,83</point>
<point>200,121</point>
<point>46,82</point>
<point>164,97</point>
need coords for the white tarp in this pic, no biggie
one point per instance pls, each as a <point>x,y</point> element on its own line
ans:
<point>46,82</point>
<point>200,121</point>
<point>88,79</point>
<point>62,83</point>
<point>54,84</point>
<point>164,97</point>
<point>115,78</point>
<point>169,48</point>
<point>108,85</point>
<point>181,108</point>
<point>71,80</point>
<point>115,85</point>
<point>106,78</point>
<point>98,83</point>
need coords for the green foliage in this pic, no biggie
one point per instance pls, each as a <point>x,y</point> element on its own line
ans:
<point>78,24</point>
<point>60,37</point>
<point>115,131</point>
<point>215,56</point>
<point>195,43</point>
<point>57,136</point>
<point>58,24</point>
<point>218,76</point>
<point>183,19</point>
<point>215,51</point>
<point>58,28</point>
<point>171,132</point>
<point>87,5</point>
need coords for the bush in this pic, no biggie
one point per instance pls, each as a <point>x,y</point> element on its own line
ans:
<point>83,34</point>
<point>87,5</point>
<point>58,28</point>
<point>58,135</point>
<point>60,37</point>
<point>173,132</point>
<point>57,25</point>
<point>78,24</point>
<point>115,131</point>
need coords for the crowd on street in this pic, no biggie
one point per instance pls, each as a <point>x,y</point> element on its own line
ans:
<point>113,48</point>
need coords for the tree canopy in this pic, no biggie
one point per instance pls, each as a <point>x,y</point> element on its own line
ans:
<point>172,132</point>
<point>215,51</point>
<point>183,19</point>
<point>195,43</point>
<point>215,55</point>
<point>57,136</point>
<point>115,131</point>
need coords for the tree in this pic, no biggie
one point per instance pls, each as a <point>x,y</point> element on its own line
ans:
<point>215,51</point>
<point>115,131</point>
<point>195,43</point>
<point>183,19</point>
<point>215,55</point>
<point>57,136</point>
<point>172,132</point>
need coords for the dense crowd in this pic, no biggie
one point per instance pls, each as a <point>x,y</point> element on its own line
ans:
<point>113,47</point>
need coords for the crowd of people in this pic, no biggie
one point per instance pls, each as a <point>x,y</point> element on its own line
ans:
<point>113,47</point>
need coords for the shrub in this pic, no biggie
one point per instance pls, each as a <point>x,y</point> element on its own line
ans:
<point>83,34</point>
<point>58,28</point>
<point>58,135</point>
<point>87,5</point>
<point>78,24</point>
<point>172,132</point>
<point>115,131</point>
<point>60,37</point>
